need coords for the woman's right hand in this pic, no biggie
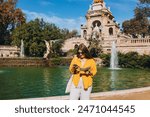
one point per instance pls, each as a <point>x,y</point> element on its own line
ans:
<point>75,69</point>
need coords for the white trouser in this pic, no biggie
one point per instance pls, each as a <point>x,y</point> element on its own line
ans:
<point>79,92</point>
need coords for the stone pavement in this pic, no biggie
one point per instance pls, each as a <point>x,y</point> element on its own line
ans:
<point>130,94</point>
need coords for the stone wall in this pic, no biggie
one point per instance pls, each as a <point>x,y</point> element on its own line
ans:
<point>12,62</point>
<point>36,62</point>
<point>124,44</point>
<point>9,51</point>
<point>140,45</point>
<point>70,43</point>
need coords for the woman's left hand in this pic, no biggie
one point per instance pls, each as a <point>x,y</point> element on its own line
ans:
<point>88,72</point>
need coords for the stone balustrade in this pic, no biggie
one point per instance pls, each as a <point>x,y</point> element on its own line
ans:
<point>141,41</point>
<point>9,51</point>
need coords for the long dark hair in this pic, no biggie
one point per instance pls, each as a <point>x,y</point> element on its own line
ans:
<point>84,50</point>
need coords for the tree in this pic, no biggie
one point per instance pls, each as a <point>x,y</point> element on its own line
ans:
<point>69,34</point>
<point>34,33</point>
<point>10,17</point>
<point>73,33</point>
<point>136,26</point>
<point>95,47</point>
<point>65,32</point>
<point>143,9</point>
<point>140,24</point>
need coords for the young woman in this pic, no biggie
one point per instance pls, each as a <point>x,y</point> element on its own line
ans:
<point>83,68</point>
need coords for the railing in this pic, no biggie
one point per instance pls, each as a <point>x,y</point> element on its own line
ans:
<point>140,41</point>
<point>9,48</point>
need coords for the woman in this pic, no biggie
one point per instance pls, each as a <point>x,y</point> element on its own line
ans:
<point>83,68</point>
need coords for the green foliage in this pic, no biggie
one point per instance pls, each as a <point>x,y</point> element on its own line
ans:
<point>129,60</point>
<point>56,61</point>
<point>95,47</point>
<point>60,61</point>
<point>136,26</point>
<point>145,61</point>
<point>143,9</point>
<point>106,59</point>
<point>34,33</point>
<point>140,24</point>
<point>68,34</point>
<point>10,17</point>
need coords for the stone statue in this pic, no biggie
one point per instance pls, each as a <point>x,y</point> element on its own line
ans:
<point>96,28</point>
<point>94,35</point>
<point>98,1</point>
<point>95,32</point>
<point>47,49</point>
<point>22,49</point>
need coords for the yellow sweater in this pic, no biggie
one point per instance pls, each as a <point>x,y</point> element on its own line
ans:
<point>87,80</point>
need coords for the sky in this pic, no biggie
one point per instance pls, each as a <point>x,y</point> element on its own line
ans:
<point>70,14</point>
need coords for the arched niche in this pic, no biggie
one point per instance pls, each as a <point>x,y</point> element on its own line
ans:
<point>96,22</point>
<point>84,33</point>
<point>111,31</point>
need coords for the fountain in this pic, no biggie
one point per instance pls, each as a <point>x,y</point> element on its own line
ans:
<point>22,49</point>
<point>114,57</point>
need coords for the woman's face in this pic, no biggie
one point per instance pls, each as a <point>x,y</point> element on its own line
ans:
<point>81,54</point>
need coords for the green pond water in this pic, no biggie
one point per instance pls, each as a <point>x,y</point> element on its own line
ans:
<point>32,82</point>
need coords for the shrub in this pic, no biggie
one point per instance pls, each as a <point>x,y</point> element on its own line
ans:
<point>128,60</point>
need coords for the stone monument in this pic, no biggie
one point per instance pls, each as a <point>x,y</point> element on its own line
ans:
<point>48,48</point>
<point>101,25</point>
